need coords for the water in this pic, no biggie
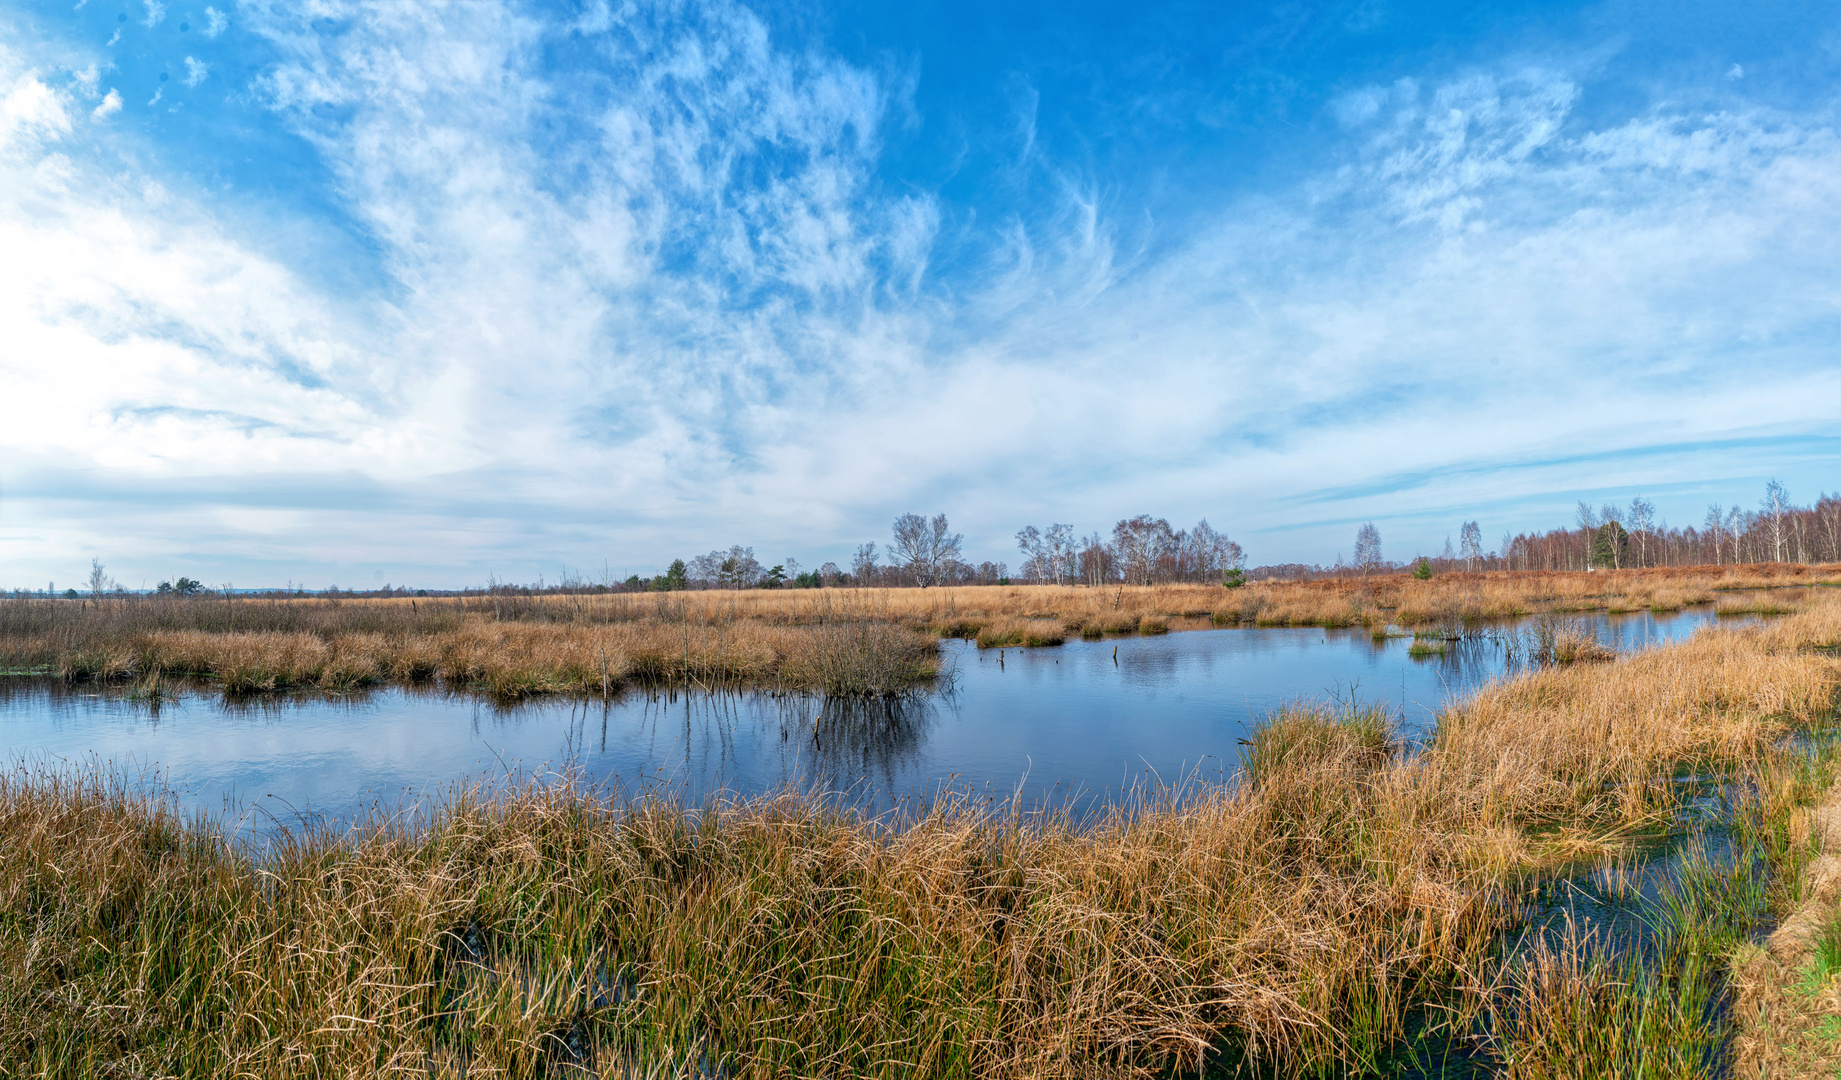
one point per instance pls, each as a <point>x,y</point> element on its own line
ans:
<point>1058,725</point>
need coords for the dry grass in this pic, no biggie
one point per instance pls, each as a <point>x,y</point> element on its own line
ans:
<point>515,645</point>
<point>836,644</point>
<point>1789,1000</point>
<point>1304,916</point>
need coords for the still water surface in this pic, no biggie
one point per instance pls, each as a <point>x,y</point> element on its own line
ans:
<point>1069,724</point>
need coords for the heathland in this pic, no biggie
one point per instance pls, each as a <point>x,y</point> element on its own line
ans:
<point>1347,905</point>
<point>839,641</point>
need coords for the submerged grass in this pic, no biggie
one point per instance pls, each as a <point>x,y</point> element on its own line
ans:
<point>1339,902</point>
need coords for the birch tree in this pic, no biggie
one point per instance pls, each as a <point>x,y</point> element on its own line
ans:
<point>1775,502</point>
<point>1367,548</point>
<point>863,564</point>
<point>1029,542</point>
<point>926,548</point>
<point>1470,544</point>
<point>1641,521</point>
<point>1715,526</point>
<point>1138,543</point>
<point>1058,549</point>
<point>1588,529</point>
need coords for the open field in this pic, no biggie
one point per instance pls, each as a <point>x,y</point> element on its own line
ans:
<point>1339,905</point>
<point>830,640</point>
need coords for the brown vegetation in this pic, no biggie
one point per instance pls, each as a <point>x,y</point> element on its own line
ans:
<point>838,643</point>
<point>1338,897</point>
<point>834,640</point>
<point>1789,999</point>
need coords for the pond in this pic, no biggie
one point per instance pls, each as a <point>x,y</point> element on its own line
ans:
<point>1063,726</point>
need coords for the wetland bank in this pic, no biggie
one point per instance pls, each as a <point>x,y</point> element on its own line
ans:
<point>1346,900</point>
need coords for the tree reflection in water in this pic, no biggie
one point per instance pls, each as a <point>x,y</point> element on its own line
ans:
<point>841,742</point>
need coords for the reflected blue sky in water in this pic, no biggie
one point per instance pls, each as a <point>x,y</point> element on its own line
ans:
<point>1048,724</point>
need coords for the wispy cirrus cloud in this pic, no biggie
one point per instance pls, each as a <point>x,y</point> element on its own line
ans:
<point>639,282</point>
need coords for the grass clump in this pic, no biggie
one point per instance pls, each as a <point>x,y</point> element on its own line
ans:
<point>1026,633</point>
<point>1578,1010</point>
<point>1338,900</point>
<point>1753,605</point>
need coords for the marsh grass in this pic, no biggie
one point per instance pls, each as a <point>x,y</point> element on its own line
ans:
<point>1028,633</point>
<point>1824,965</point>
<point>1554,639</point>
<point>511,645</point>
<point>1754,605</point>
<point>836,643</point>
<point>1787,993</point>
<point>1339,903</point>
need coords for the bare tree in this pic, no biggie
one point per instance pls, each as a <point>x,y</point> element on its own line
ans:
<point>1035,557</point>
<point>863,564</point>
<point>1058,549</point>
<point>1715,527</point>
<point>1612,520</point>
<point>1588,528</point>
<point>1775,502</point>
<point>1210,555</point>
<point>1138,543</point>
<point>736,568</point>
<point>1368,549</point>
<point>928,548</point>
<point>1828,511</point>
<point>1470,543</point>
<point>1050,553</point>
<point>98,579</point>
<point>1642,519</point>
<point>705,569</point>
<point>1096,560</point>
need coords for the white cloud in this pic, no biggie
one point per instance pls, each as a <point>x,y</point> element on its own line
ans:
<point>671,306</point>
<point>216,22</point>
<point>156,11</point>
<point>111,104</point>
<point>31,113</point>
<point>1735,72</point>
<point>195,72</point>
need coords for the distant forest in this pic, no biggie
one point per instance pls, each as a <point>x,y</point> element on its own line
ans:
<point>1615,537</point>
<point>1146,550</point>
<point>1141,550</point>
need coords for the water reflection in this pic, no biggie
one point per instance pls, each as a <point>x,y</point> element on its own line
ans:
<point>1079,722</point>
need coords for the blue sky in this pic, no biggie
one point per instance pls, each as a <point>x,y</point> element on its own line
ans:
<point>346,293</point>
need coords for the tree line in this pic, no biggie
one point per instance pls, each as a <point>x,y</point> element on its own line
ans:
<point>924,551</point>
<point>1611,536</point>
<point>1145,550</point>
